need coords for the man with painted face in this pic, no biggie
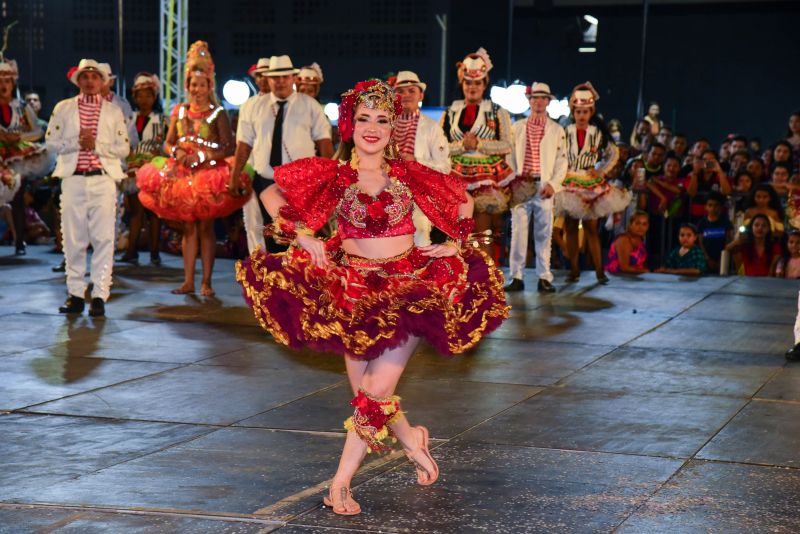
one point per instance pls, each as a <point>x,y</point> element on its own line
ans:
<point>90,137</point>
<point>420,139</point>
<point>282,127</point>
<point>540,162</point>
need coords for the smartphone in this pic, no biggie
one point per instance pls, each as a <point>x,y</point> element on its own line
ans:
<point>708,164</point>
<point>640,176</point>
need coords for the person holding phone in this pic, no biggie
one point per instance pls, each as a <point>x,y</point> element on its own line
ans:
<point>706,176</point>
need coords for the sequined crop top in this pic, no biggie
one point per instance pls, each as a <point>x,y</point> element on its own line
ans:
<point>360,215</point>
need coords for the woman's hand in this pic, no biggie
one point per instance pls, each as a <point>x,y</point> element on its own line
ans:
<point>235,187</point>
<point>592,173</point>
<point>470,141</point>
<point>191,160</point>
<point>315,249</point>
<point>443,250</point>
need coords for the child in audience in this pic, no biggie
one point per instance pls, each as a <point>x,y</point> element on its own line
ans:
<point>756,252</point>
<point>715,230</point>
<point>628,253</point>
<point>688,258</point>
<point>764,200</point>
<point>789,264</point>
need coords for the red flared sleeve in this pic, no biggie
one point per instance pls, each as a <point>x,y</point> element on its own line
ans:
<point>313,187</point>
<point>437,195</point>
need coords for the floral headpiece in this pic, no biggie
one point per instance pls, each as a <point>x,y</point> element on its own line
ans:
<point>146,80</point>
<point>199,63</point>
<point>8,69</point>
<point>475,66</point>
<point>584,96</point>
<point>375,94</point>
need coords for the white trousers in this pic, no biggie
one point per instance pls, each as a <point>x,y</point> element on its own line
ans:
<point>422,236</point>
<point>542,210</point>
<point>254,224</point>
<point>88,217</point>
<point>797,322</point>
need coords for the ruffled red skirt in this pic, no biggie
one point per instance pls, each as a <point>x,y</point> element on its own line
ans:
<point>362,307</point>
<point>175,192</point>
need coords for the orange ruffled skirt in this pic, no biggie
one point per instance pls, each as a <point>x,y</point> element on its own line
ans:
<point>175,192</point>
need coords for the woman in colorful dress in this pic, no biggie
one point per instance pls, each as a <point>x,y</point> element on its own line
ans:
<point>367,292</point>
<point>193,184</point>
<point>587,196</point>
<point>150,128</point>
<point>479,133</point>
<point>21,158</point>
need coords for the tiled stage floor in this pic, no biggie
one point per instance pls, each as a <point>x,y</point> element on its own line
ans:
<point>654,404</point>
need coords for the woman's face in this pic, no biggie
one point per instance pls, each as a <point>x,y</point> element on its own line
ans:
<point>199,89</point>
<point>761,199</point>
<point>6,87</point>
<point>672,168</point>
<point>639,226</point>
<point>744,184</point>
<point>793,245</point>
<point>794,124</point>
<point>372,130</point>
<point>144,99</point>
<point>782,153</point>
<point>582,116</point>
<point>755,167</point>
<point>642,128</point>
<point>760,227</point>
<point>654,110</point>
<point>780,176</point>
<point>687,238</point>
<point>473,90</point>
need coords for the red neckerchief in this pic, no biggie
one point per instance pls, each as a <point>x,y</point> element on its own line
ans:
<point>5,109</point>
<point>470,114</point>
<point>140,122</point>
<point>581,138</point>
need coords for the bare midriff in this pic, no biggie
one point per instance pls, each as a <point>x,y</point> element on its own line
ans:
<point>378,247</point>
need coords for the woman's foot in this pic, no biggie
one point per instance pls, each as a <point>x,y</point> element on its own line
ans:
<point>184,289</point>
<point>427,469</point>
<point>155,260</point>
<point>573,277</point>
<point>340,500</point>
<point>602,278</point>
<point>206,290</point>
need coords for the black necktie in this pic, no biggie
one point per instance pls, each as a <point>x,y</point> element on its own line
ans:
<point>276,153</point>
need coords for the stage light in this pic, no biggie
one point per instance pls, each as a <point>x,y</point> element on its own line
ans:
<point>590,19</point>
<point>587,49</point>
<point>511,98</point>
<point>236,92</point>
<point>331,111</point>
<point>558,108</point>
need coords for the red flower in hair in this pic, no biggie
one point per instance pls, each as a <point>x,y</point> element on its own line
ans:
<point>366,84</point>
<point>70,72</point>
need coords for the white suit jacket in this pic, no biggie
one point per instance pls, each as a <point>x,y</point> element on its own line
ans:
<point>111,145</point>
<point>552,152</point>
<point>430,145</point>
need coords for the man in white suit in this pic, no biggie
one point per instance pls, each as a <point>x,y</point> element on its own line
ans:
<point>90,137</point>
<point>419,138</point>
<point>539,160</point>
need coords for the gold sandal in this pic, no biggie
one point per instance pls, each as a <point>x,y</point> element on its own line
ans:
<point>344,493</point>
<point>430,478</point>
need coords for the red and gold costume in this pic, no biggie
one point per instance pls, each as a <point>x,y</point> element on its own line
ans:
<point>359,306</point>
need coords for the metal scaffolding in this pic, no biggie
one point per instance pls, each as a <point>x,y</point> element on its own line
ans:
<point>174,34</point>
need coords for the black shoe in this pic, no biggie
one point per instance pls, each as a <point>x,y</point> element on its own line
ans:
<point>545,286</point>
<point>19,250</point>
<point>72,305</point>
<point>130,258</point>
<point>61,267</point>
<point>573,277</point>
<point>793,354</point>
<point>515,285</point>
<point>97,308</point>
<point>602,279</point>
<point>155,260</point>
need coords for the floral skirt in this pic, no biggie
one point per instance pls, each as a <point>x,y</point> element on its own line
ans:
<point>362,307</point>
<point>174,192</point>
<point>29,160</point>
<point>590,198</point>
<point>483,176</point>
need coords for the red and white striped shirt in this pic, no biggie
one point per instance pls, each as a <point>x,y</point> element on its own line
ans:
<point>89,112</point>
<point>405,132</point>
<point>534,133</point>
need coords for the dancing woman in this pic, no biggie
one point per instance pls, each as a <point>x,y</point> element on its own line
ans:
<point>587,196</point>
<point>367,292</point>
<point>480,137</point>
<point>192,185</point>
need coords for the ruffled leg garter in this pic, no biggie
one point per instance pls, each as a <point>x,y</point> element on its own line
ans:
<point>371,419</point>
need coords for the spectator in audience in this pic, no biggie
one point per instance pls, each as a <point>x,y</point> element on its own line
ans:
<point>782,152</point>
<point>779,177</point>
<point>738,161</point>
<point>688,258</point>
<point>766,157</point>
<point>664,136</point>
<point>652,118</point>
<point>641,138</point>
<point>33,100</point>
<point>789,264</point>
<point>764,201</point>
<point>706,176</point>
<point>615,131</point>
<point>742,189</point>
<point>628,253</point>
<point>793,138</point>
<point>654,160</point>
<point>754,146</point>
<point>756,252</point>
<point>679,146</point>
<point>724,153</point>
<point>715,229</point>
<point>699,146</point>
<point>756,169</point>
<point>738,144</point>
<point>663,205</point>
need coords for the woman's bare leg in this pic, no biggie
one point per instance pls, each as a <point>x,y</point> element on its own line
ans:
<point>593,243</point>
<point>571,229</point>
<point>189,248</point>
<point>483,221</point>
<point>208,244</point>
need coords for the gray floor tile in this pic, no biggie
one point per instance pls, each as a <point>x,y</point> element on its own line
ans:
<point>763,433</point>
<point>632,423</point>
<point>456,409</point>
<point>554,491</point>
<point>198,394</point>
<point>745,308</point>
<point>761,287</point>
<point>784,386</point>
<point>722,498</point>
